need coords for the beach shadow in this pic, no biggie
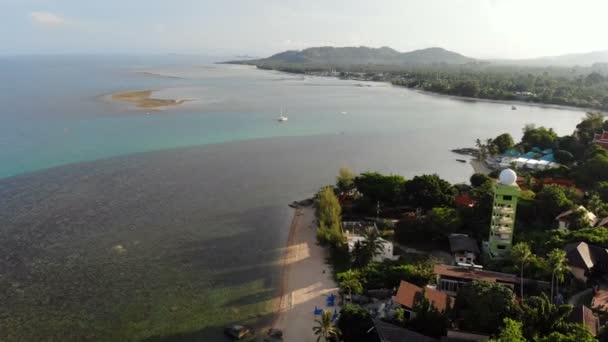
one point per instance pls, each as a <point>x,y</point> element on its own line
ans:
<point>213,333</point>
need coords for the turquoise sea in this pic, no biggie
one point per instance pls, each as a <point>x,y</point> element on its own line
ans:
<point>116,224</point>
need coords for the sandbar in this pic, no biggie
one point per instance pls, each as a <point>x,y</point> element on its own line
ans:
<point>142,99</point>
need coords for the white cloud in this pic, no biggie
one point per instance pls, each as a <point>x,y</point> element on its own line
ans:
<point>47,18</point>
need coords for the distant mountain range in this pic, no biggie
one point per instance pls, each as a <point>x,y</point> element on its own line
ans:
<point>364,55</point>
<point>387,56</point>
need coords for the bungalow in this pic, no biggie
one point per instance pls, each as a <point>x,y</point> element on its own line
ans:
<point>564,218</point>
<point>408,294</point>
<point>601,139</point>
<point>451,278</point>
<point>583,315</point>
<point>355,232</point>
<point>585,259</point>
<point>464,249</point>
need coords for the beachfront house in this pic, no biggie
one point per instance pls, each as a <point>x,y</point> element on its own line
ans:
<point>536,159</point>
<point>355,232</point>
<point>464,249</point>
<point>564,219</point>
<point>409,294</point>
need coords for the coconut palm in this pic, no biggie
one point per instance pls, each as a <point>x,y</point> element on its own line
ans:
<point>521,256</point>
<point>372,242</point>
<point>559,267</point>
<point>349,282</point>
<point>325,329</point>
<point>482,149</point>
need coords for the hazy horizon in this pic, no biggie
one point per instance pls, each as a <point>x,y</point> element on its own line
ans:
<point>475,28</point>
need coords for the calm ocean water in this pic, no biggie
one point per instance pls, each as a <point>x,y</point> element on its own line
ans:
<point>179,231</point>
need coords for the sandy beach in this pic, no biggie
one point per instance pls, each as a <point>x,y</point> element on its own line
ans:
<point>303,284</point>
<point>142,99</point>
<point>480,167</point>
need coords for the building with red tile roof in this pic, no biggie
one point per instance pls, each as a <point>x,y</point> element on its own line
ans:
<point>464,201</point>
<point>601,139</point>
<point>451,278</point>
<point>408,294</point>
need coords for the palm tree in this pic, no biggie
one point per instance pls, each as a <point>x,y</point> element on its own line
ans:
<point>542,317</point>
<point>349,282</point>
<point>521,256</point>
<point>325,329</point>
<point>482,149</point>
<point>372,242</point>
<point>558,264</point>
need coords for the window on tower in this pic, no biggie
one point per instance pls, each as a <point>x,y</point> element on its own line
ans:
<point>507,197</point>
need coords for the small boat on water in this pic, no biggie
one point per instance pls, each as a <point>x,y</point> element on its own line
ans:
<point>513,108</point>
<point>343,113</point>
<point>282,117</point>
<point>461,160</point>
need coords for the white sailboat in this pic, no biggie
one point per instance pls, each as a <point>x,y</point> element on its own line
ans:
<point>282,117</point>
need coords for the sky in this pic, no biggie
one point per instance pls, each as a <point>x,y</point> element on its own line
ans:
<point>476,28</point>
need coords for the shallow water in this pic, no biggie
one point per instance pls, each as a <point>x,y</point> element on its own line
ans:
<point>183,239</point>
<point>54,111</point>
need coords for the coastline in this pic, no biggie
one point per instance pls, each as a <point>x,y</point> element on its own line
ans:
<point>454,97</point>
<point>479,166</point>
<point>506,102</point>
<point>306,279</point>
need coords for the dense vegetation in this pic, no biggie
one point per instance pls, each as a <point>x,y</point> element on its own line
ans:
<point>579,90</point>
<point>423,211</point>
<point>445,72</point>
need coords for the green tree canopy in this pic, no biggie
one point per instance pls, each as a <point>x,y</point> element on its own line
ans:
<point>602,190</point>
<point>593,170</point>
<point>482,306</point>
<point>591,124</point>
<point>443,221</point>
<point>572,145</point>
<point>354,324</point>
<point>377,187</point>
<point>428,191</point>
<point>511,332</point>
<point>428,320</point>
<point>345,180</point>
<point>468,88</point>
<point>539,137</point>
<point>563,156</point>
<point>551,201</point>
<point>329,216</point>
<point>541,317</point>
<point>503,142</point>
<point>479,179</point>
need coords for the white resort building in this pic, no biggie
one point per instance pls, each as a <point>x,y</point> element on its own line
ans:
<point>355,232</point>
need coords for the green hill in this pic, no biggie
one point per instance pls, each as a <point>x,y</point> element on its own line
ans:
<point>362,56</point>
